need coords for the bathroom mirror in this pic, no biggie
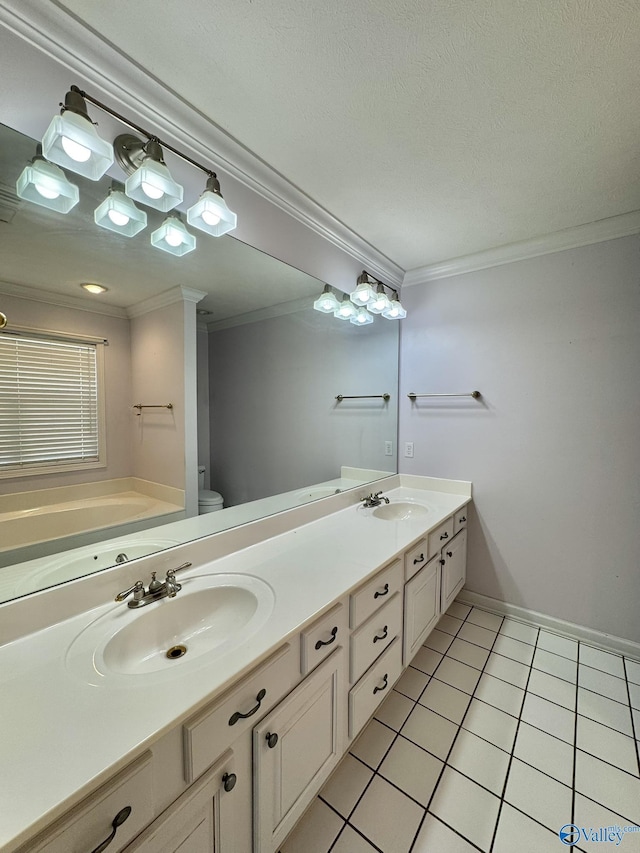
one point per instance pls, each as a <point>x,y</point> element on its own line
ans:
<point>269,369</point>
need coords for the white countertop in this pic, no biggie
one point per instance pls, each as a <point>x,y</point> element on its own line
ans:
<point>63,736</point>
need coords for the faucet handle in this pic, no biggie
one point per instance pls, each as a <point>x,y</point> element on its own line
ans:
<point>137,589</point>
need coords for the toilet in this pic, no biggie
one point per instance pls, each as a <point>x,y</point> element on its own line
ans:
<point>208,501</point>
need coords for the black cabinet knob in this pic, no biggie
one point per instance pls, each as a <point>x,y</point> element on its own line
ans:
<point>229,781</point>
<point>271,739</point>
<point>449,553</point>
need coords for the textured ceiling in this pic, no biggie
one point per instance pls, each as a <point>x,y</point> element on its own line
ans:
<point>432,128</point>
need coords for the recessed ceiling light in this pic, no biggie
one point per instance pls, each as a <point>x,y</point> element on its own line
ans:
<point>203,311</point>
<point>94,288</point>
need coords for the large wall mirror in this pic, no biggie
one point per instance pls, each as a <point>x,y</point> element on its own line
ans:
<point>226,319</point>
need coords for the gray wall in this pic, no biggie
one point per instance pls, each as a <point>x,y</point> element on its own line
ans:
<point>275,424</point>
<point>553,450</point>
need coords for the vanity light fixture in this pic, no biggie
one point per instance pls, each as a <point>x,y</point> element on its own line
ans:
<point>118,213</point>
<point>46,184</point>
<point>210,213</point>
<point>72,141</point>
<point>173,237</point>
<point>94,288</point>
<point>327,302</point>
<point>346,309</point>
<point>149,180</point>
<point>361,317</point>
<point>395,311</point>
<point>380,302</point>
<point>364,293</point>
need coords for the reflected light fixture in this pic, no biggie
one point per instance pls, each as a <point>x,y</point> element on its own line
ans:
<point>364,293</point>
<point>149,180</point>
<point>210,213</point>
<point>395,311</point>
<point>346,309</point>
<point>94,288</point>
<point>118,213</point>
<point>72,141</point>
<point>327,301</point>
<point>46,184</point>
<point>173,237</point>
<point>361,317</point>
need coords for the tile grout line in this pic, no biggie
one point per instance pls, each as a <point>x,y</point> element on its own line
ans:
<point>515,739</point>
<point>453,743</point>
<point>635,734</point>
<point>575,743</point>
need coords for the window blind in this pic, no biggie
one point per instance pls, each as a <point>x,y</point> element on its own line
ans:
<point>48,402</point>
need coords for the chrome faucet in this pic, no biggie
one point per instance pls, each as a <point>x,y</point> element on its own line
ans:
<point>374,499</point>
<point>157,589</point>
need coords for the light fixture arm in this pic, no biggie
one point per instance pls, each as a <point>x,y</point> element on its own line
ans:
<point>150,136</point>
<point>366,278</point>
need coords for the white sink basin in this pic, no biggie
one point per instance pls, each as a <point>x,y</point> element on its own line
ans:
<point>208,617</point>
<point>400,511</point>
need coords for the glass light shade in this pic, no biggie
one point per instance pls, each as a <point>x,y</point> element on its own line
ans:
<point>173,237</point>
<point>211,214</point>
<point>363,294</point>
<point>118,213</point>
<point>72,141</point>
<point>361,317</point>
<point>395,311</point>
<point>152,184</point>
<point>326,302</point>
<point>380,303</point>
<point>346,310</point>
<point>47,185</point>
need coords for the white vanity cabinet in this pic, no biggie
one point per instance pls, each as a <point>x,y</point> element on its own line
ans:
<point>295,748</point>
<point>421,607</point>
<point>454,568</point>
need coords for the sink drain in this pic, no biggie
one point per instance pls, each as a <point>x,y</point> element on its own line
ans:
<point>176,652</point>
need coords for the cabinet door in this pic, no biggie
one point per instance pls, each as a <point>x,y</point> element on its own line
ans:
<point>192,823</point>
<point>421,608</point>
<point>454,568</point>
<point>295,748</point>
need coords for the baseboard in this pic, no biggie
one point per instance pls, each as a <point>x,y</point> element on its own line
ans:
<point>560,626</point>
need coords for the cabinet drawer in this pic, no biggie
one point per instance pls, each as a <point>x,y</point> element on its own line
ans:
<point>415,559</point>
<point>374,686</point>
<point>322,637</point>
<point>90,823</point>
<point>375,593</point>
<point>460,519</point>
<point>440,536</point>
<point>372,638</point>
<point>208,733</point>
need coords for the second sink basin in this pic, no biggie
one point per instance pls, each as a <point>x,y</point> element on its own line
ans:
<point>210,615</point>
<point>400,510</point>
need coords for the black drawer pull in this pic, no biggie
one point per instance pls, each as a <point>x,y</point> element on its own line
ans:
<point>385,631</point>
<point>233,719</point>
<point>445,535</point>
<point>321,643</point>
<point>462,518</point>
<point>380,594</point>
<point>384,686</point>
<point>449,553</point>
<point>271,739</point>
<point>118,820</point>
<point>229,781</point>
<point>419,559</point>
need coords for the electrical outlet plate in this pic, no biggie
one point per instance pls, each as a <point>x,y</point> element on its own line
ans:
<point>408,449</point>
<point>388,448</point>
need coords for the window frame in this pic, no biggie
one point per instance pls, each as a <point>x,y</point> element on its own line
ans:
<point>35,469</point>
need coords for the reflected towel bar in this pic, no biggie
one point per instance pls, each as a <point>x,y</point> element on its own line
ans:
<point>141,406</point>
<point>475,394</point>
<point>341,397</point>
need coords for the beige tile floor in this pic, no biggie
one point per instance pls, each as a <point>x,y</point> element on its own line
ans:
<point>498,735</point>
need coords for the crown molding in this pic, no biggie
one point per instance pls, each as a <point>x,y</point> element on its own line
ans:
<point>280,310</point>
<point>623,225</point>
<point>161,300</point>
<point>49,297</point>
<point>122,83</point>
